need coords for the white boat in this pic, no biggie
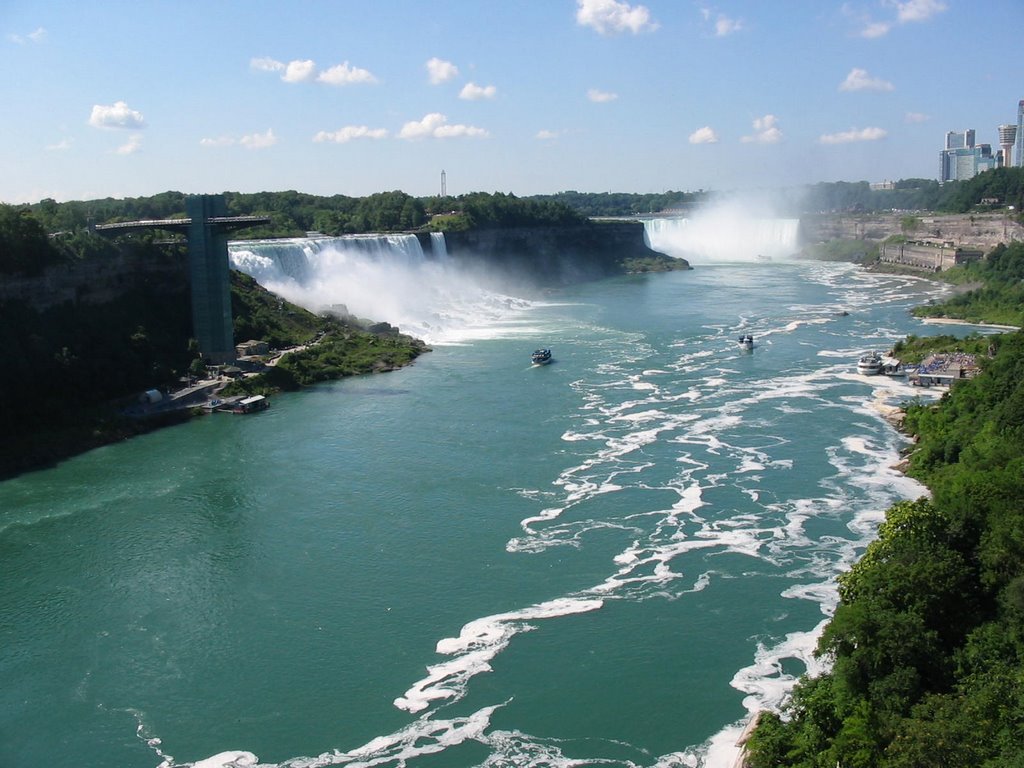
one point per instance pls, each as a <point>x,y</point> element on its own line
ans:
<point>746,342</point>
<point>870,364</point>
<point>541,356</point>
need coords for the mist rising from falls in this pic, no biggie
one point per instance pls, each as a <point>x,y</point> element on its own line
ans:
<point>385,278</point>
<point>724,234</point>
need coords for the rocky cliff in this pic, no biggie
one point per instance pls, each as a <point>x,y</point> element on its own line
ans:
<point>561,254</point>
<point>979,230</point>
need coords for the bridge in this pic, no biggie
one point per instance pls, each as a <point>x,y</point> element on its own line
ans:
<point>206,226</point>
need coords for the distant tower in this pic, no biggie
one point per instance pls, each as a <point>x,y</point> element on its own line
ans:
<point>1007,136</point>
<point>444,185</point>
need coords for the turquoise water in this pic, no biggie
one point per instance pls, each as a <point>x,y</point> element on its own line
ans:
<point>611,559</point>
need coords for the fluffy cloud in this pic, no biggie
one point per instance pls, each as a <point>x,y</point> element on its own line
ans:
<point>765,131</point>
<point>610,16</point>
<point>853,135</point>
<point>305,70</point>
<point>259,140</point>
<point>343,74</point>
<point>473,92</point>
<point>601,97</point>
<point>299,71</point>
<point>918,10</point>
<point>60,146</point>
<point>860,80</point>
<point>546,135</point>
<point>350,132</point>
<point>131,146</point>
<point>435,125</point>
<point>705,135</point>
<point>439,70</point>
<point>117,115</point>
<point>915,117</point>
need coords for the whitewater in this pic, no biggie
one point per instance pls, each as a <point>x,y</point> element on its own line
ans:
<point>615,559</point>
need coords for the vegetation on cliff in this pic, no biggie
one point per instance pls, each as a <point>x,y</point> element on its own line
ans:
<point>927,643</point>
<point>998,295</point>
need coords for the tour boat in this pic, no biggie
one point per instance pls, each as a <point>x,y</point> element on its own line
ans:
<point>746,342</point>
<point>541,356</point>
<point>870,364</point>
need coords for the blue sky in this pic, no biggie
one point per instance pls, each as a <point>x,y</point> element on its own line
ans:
<point>134,97</point>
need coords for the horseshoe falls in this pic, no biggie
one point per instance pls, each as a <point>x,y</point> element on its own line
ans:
<point>613,559</point>
<point>719,235</point>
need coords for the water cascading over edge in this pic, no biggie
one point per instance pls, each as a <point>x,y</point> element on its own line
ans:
<point>376,277</point>
<point>714,237</point>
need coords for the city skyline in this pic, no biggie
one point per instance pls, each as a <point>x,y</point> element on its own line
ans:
<point>127,100</point>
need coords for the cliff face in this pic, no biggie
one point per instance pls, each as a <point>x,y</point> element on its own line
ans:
<point>95,281</point>
<point>557,255</point>
<point>979,230</point>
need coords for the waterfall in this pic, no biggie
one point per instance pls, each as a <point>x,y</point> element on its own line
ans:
<point>380,278</point>
<point>724,236</point>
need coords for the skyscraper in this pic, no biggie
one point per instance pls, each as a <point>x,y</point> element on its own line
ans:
<point>1018,160</point>
<point>1007,136</point>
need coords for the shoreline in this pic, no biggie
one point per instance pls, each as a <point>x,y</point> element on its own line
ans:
<point>956,321</point>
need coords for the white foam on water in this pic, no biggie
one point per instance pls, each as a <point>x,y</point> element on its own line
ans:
<point>477,644</point>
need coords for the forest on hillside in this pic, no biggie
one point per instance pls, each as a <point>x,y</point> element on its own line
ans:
<point>927,643</point>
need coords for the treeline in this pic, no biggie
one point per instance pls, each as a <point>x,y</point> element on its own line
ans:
<point>994,189</point>
<point>292,214</point>
<point>927,643</point>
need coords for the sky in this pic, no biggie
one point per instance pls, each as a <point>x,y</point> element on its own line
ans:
<point>130,98</point>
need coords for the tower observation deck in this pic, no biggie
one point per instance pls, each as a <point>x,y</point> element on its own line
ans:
<point>206,227</point>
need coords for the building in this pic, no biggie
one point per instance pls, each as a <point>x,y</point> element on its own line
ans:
<point>1007,137</point>
<point>962,159</point>
<point>1019,154</point>
<point>963,140</point>
<point>931,257</point>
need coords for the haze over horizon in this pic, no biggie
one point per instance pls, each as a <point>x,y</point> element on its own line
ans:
<point>532,97</point>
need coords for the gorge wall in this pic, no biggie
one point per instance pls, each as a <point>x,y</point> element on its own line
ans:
<point>978,230</point>
<point>557,254</point>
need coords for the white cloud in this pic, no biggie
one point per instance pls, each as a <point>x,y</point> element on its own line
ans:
<point>266,64</point>
<point>766,131</point>
<point>610,16</point>
<point>131,146</point>
<point>918,10</point>
<point>601,97</point>
<point>259,140</point>
<point>299,71</point>
<point>873,29</point>
<point>350,132</point>
<point>915,117</point>
<point>435,125</point>
<point>726,26</point>
<point>117,115</point>
<point>907,12</point>
<point>853,135</point>
<point>705,135</point>
<point>343,74</point>
<point>32,37</point>
<point>860,80</point>
<point>439,70</point>
<point>473,92</point>
<point>546,135</point>
<point>221,141</point>
<point>60,146</point>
